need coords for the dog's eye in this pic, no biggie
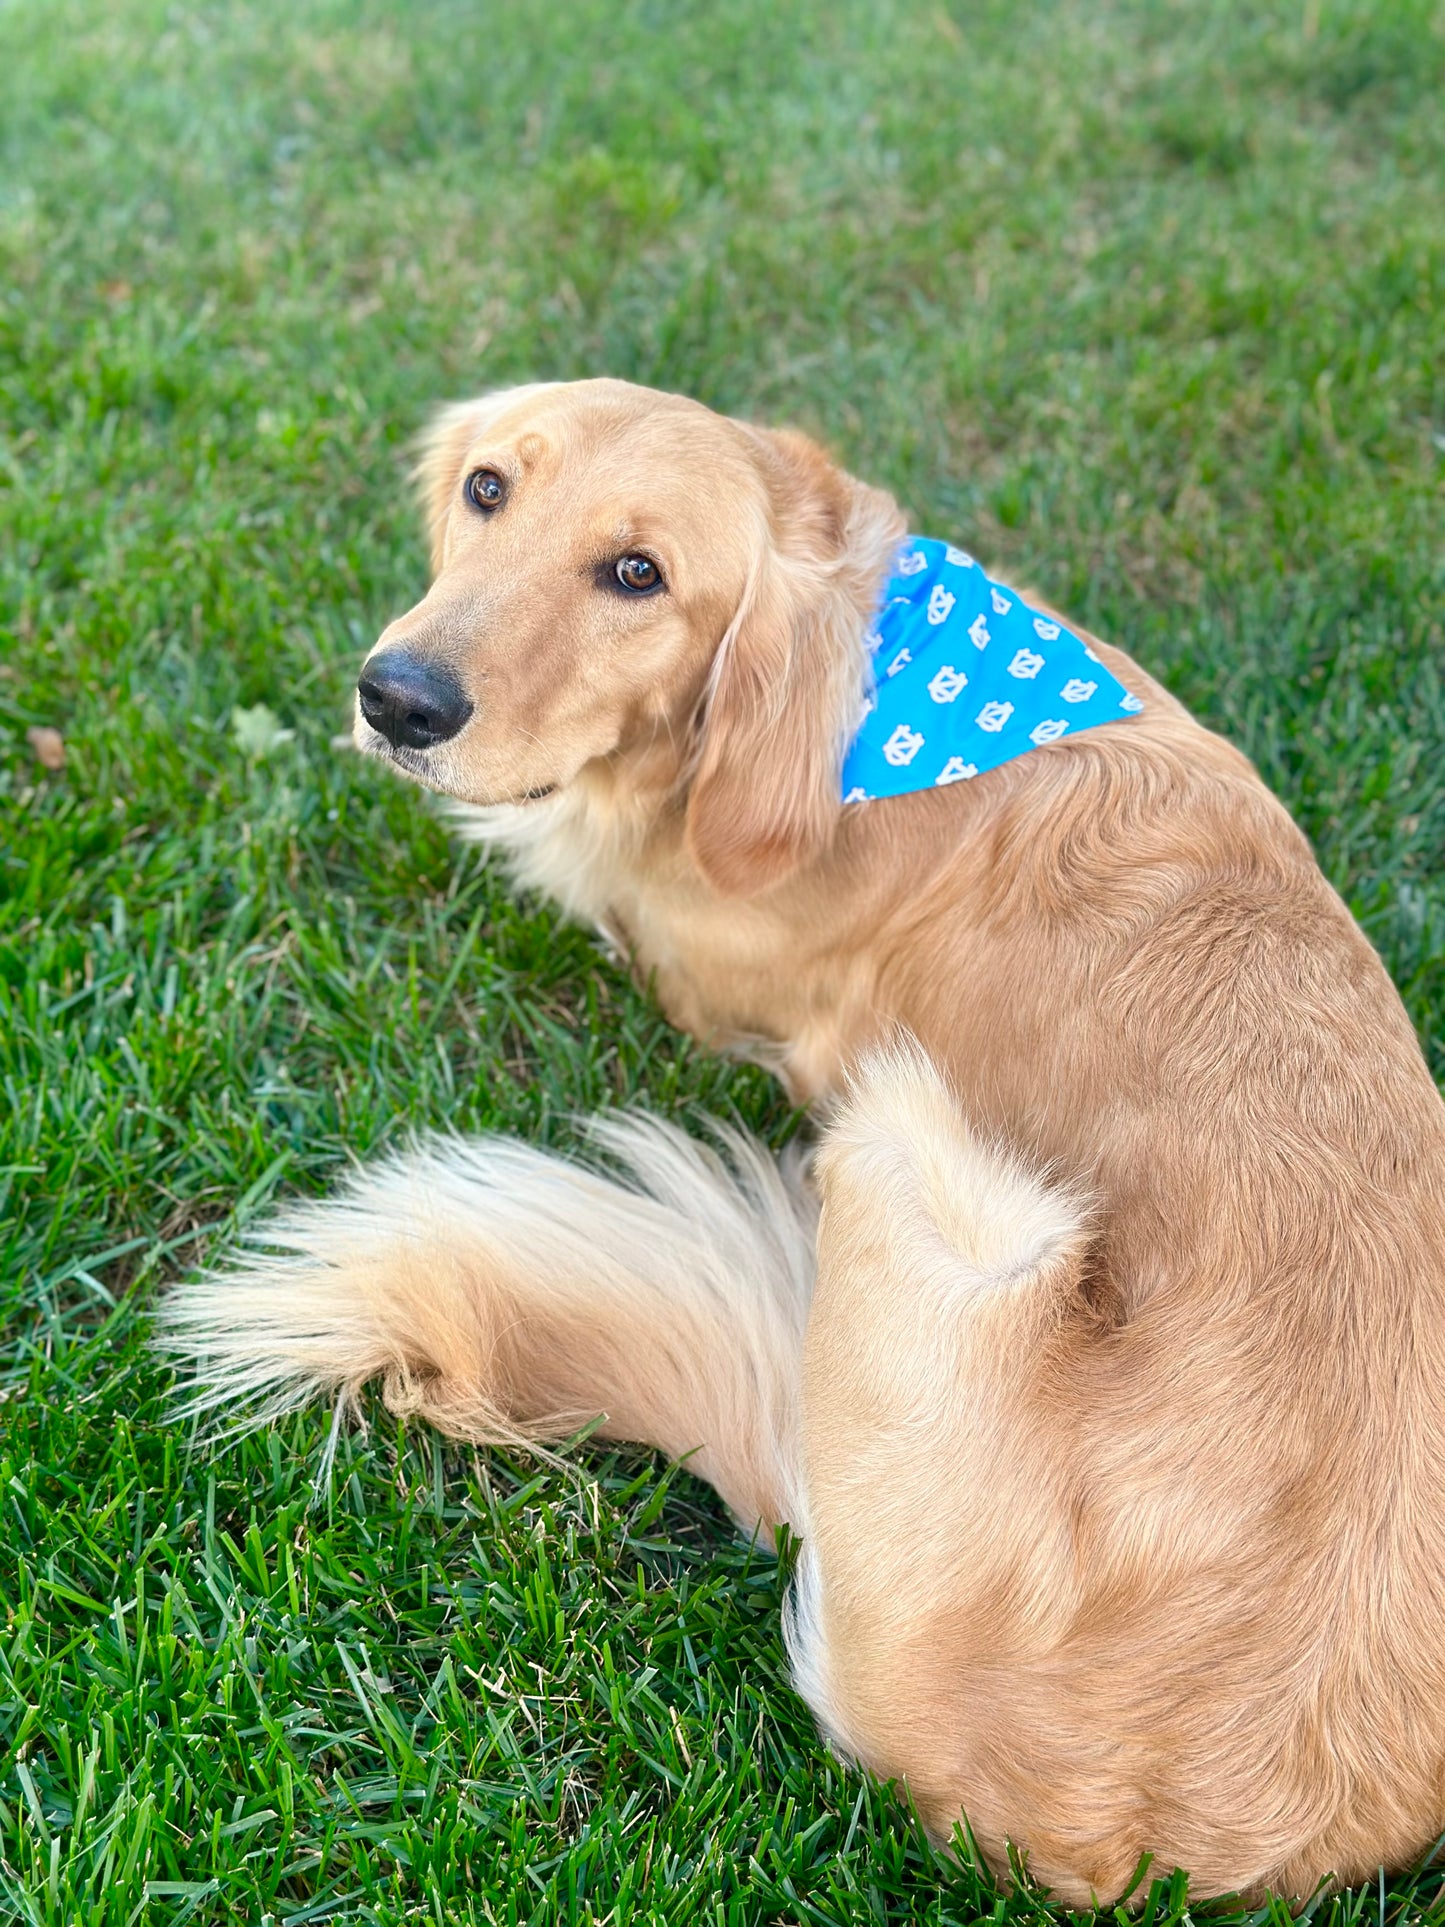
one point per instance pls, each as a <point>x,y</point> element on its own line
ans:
<point>485,489</point>
<point>638,574</point>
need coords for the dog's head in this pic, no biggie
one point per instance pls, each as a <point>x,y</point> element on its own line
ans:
<point>625,576</point>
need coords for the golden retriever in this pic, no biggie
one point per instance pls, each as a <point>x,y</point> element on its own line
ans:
<point>1107,1393</point>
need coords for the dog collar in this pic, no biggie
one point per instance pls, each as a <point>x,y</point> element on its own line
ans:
<point>965,676</point>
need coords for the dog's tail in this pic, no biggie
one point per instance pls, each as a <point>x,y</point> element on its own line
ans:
<point>506,1294</point>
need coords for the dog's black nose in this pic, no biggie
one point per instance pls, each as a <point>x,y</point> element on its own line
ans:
<point>412,703</point>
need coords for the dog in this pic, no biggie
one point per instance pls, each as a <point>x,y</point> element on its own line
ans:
<point>1099,1364</point>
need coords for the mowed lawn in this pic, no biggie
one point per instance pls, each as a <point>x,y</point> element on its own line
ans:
<point>1143,301</point>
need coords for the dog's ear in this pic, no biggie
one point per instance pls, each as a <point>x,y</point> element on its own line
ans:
<point>441,449</point>
<point>787,683</point>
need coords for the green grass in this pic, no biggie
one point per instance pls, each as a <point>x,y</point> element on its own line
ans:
<point>1142,300</point>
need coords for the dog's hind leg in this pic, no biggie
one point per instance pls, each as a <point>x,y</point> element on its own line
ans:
<point>937,1566</point>
<point>504,1293</point>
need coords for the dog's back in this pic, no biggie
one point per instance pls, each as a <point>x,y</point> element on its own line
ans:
<point>1181,1483</point>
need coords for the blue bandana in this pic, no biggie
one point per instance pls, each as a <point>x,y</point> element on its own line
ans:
<point>967,676</point>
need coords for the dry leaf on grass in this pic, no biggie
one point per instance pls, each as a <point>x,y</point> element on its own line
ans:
<point>258,731</point>
<point>48,744</point>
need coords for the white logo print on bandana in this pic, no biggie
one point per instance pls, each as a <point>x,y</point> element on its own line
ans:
<point>903,745</point>
<point>1024,668</point>
<point>955,770</point>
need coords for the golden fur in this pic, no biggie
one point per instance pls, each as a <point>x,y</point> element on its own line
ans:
<point>1113,1420</point>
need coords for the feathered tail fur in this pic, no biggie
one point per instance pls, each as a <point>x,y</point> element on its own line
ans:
<point>504,1293</point>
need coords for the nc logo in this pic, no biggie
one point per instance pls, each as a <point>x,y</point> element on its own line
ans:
<point>978,633</point>
<point>902,746</point>
<point>1045,631</point>
<point>960,558</point>
<point>912,563</point>
<point>900,661</point>
<point>1001,603</point>
<point>1026,665</point>
<point>993,716</point>
<point>1075,691</point>
<point>1048,732</point>
<point>939,604</point>
<point>955,770</point>
<point>1131,705</point>
<point>947,683</point>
